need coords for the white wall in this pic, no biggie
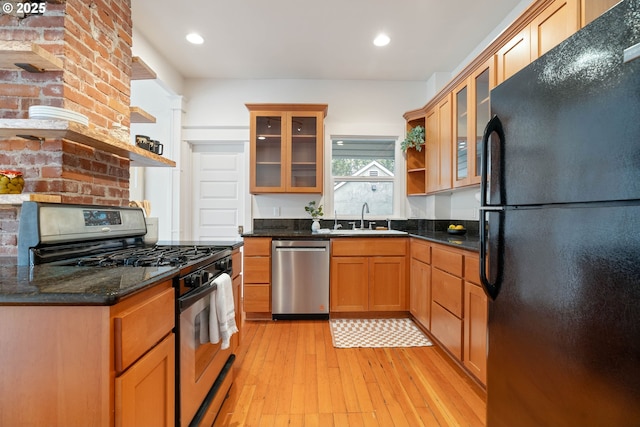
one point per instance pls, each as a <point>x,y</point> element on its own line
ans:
<point>355,108</point>
<point>168,77</point>
<point>159,185</point>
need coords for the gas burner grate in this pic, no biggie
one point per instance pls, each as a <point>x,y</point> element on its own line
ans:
<point>156,256</point>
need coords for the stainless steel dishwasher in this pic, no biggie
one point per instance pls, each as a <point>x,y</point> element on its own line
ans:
<point>300,279</point>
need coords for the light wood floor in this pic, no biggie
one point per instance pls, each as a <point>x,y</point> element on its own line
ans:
<point>289,374</point>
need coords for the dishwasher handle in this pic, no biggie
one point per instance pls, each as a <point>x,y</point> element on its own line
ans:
<point>300,249</point>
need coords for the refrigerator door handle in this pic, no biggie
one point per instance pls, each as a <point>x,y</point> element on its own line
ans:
<point>491,289</point>
<point>494,125</point>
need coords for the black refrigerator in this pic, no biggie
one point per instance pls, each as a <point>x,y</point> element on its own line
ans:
<point>560,250</point>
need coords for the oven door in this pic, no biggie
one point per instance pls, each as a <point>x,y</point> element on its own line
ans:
<point>201,362</point>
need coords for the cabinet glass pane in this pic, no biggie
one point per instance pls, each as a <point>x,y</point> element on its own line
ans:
<point>483,113</point>
<point>461,134</point>
<point>303,151</point>
<point>268,151</point>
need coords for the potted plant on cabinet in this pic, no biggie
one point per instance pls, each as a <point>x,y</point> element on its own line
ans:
<point>414,139</point>
<point>316,213</point>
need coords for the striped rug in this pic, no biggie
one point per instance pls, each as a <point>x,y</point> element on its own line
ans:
<point>348,333</point>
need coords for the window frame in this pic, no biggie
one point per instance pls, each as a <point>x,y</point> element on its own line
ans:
<point>397,179</point>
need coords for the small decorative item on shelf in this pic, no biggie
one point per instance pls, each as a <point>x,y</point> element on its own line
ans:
<point>11,182</point>
<point>118,130</point>
<point>316,213</point>
<point>147,143</point>
<point>415,139</point>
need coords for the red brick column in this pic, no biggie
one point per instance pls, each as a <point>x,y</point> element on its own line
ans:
<point>94,39</point>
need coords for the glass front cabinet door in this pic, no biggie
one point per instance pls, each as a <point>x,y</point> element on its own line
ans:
<point>472,112</point>
<point>286,150</point>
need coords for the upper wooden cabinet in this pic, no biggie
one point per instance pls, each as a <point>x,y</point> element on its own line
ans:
<point>455,118</point>
<point>438,144</point>
<point>482,81</point>
<point>471,112</point>
<point>462,115</point>
<point>514,55</point>
<point>286,152</point>
<point>551,26</point>
<point>591,9</point>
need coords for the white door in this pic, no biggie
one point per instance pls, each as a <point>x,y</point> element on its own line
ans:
<point>218,182</point>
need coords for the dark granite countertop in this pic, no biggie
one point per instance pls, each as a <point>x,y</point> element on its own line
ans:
<point>71,285</point>
<point>468,241</point>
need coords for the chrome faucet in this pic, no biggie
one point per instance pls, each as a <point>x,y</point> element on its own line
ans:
<point>365,206</point>
<point>335,221</point>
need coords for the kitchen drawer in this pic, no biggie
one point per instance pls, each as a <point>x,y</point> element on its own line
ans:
<point>447,260</point>
<point>421,250</point>
<point>370,246</point>
<point>447,328</point>
<point>236,262</point>
<point>257,298</point>
<point>140,327</point>
<point>257,246</point>
<point>447,291</point>
<point>472,269</point>
<point>257,270</point>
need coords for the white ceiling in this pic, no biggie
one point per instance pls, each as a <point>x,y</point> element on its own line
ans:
<point>327,39</point>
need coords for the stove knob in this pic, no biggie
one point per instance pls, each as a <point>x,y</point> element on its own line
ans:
<point>192,281</point>
<point>206,276</point>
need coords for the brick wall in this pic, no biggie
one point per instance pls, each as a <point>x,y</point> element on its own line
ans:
<point>94,39</point>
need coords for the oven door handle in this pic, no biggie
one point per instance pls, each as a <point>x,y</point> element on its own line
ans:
<point>196,295</point>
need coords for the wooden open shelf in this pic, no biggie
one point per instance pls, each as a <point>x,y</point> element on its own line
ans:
<point>140,70</point>
<point>14,52</point>
<point>138,115</point>
<point>76,132</point>
<point>18,199</point>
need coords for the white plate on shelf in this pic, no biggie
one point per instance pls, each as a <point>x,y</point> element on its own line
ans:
<point>45,112</point>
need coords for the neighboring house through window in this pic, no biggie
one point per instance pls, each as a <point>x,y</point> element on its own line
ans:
<point>363,171</point>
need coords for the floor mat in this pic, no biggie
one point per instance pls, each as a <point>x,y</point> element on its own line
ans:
<point>348,333</point>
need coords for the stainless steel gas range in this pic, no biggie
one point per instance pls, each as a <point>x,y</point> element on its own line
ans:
<point>105,236</point>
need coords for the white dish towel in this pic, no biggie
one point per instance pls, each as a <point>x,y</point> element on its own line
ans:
<point>222,321</point>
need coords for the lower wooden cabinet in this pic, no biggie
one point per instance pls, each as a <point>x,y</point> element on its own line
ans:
<point>59,366</point>
<point>420,282</point>
<point>349,288</point>
<point>447,300</point>
<point>475,330</point>
<point>236,282</point>
<point>447,303</point>
<point>420,292</point>
<point>376,281</point>
<point>257,277</point>
<point>144,394</point>
<point>476,316</point>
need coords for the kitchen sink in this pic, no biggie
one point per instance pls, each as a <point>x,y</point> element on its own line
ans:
<point>366,231</point>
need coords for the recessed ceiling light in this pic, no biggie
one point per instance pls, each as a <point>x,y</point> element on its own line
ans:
<point>381,40</point>
<point>195,38</point>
